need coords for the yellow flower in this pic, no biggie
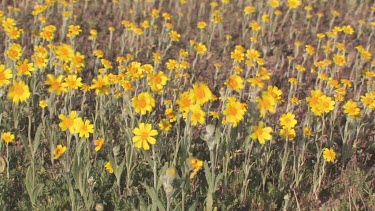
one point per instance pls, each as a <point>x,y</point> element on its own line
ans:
<point>72,82</point>
<point>108,167</point>
<point>293,4</point>
<point>266,103</point>
<point>175,36</point>
<point>165,125</point>
<point>14,52</point>
<point>288,120</point>
<point>262,133</point>
<point>157,81</point>
<point>99,144</point>
<point>84,128</point>
<point>329,155</point>
<point>197,115</point>
<point>200,48</point>
<point>235,82</point>
<point>368,100</point>
<point>5,74</point>
<point>74,30</point>
<point>234,111</point>
<point>201,93</point>
<point>100,84</point>
<point>185,101</point>
<point>195,164</point>
<point>143,102</point>
<point>19,92</point>
<point>339,60</point>
<point>144,136</point>
<point>25,68</point>
<point>68,122</point>
<point>43,104</point>
<point>7,137</point>
<point>58,151</point>
<point>351,109</point>
<point>289,133</point>
<point>55,84</point>
<point>307,131</point>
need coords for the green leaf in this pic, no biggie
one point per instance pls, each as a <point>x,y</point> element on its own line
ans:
<point>155,199</point>
<point>37,138</point>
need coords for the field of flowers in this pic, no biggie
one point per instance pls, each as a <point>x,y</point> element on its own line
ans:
<point>187,105</point>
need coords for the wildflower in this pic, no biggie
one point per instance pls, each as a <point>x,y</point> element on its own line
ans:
<point>319,103</point>
<point>201,25</point>
<point>74,30</point>
<point>5,74</point>
<point>234,111</point>
<point>13,32</point>
<point>55,84</point>
<point>256,82</point>
<point>99,144</point>
<point>144,136</point>
<point>201,93</point>
<point>165,125</point>
<point>196,165</point>
<point>200,48</point>
<point>368,100</point>
<point>288,133</point>
<point>143,102</point>
<point>237,55</point>
<point>274,3</point>
<point>262,133</point>
<point>275,92</point>
<point>43,104</point>
<point>14,52</point>
<point>307,131</point>
<point>58,151</point>
<point>288,120</point>
<point>197,115</point>
<point>93,34</point>
<point>100,84</point>
<point>84,128</point>
<point>64,52</point>
<point>157,80</point>
<point>72,82</point>
<point>171,114</point>
<point>47,33</point>
<point>24,68</point>
<point>255,26</point>
<point>351,109</point>
<point>175,36</point>
<point>266,103</point>
<point>7,137</point>
<point>135,70</point>
<point>310,49</point>
<point>293,4</point>
<point>235,82</point>
<point>68,122</point>
<point>19,92</point>
<point>339,60</point>
<point>329,155</point>
<point>108,167</point>
<point>185,101</point>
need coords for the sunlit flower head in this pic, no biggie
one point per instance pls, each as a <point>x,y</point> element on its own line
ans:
<point>7,137</point>
<point>262,133</point>
<point>201,93</point>
<point>19,92</point>
<point>329,155</point>
<point>143,103</point>
<point>143,136</point>
<point>58,151</point>
<point>5,75</point>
